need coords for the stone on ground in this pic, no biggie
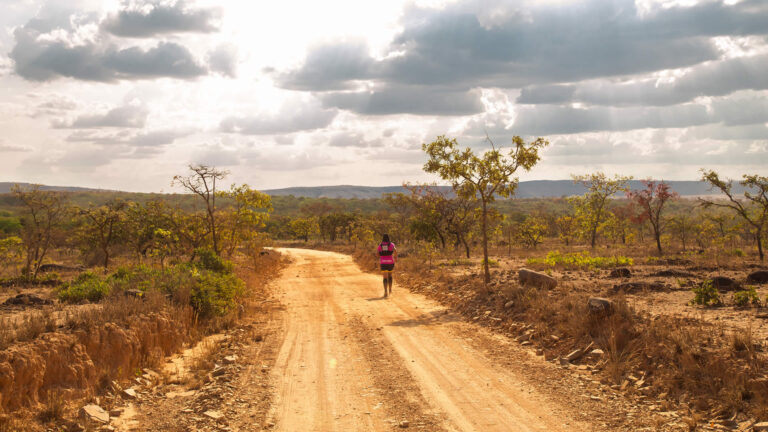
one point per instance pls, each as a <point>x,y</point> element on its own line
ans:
<point>530,277</point>
<point>95,413</point>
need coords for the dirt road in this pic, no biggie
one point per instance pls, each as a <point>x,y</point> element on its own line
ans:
<point>327,378</point>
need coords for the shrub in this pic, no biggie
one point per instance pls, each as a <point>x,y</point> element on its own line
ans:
<point>746,297</point>
<point>215,294</point>
<point>208,260</point>
<point>706,294</point>
<point>578,260</point>
<point>87,286</point>
<point>737,252</point>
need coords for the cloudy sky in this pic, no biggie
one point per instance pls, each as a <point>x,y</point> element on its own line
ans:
<point>125,94</point>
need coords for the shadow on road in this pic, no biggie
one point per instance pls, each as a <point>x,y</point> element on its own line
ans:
<point>433,318</point>
<point>375,298</point>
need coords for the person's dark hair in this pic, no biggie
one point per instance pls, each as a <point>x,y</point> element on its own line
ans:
<point>385,238</point>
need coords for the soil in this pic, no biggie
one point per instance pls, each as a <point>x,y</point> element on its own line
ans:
<point>336,355</point>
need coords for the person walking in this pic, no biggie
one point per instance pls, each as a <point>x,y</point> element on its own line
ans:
<point>387,257</point>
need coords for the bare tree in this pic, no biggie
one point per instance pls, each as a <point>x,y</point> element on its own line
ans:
<point>202,182</point>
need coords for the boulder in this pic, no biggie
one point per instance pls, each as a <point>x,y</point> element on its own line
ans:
<point>27,300</point>
<point>94,413</point>
<point>600,306</point>
<point>541,280</point>
<point>620,272</point>
<point>759,277</point>
<point>723,283</point>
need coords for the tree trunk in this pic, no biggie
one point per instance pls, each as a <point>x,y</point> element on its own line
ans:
<point>760,243</point>
<point>658,243</point>
<point>486,270</point>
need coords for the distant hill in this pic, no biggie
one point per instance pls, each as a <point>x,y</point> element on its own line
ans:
<point>5,187</point>
<point>526,189</point>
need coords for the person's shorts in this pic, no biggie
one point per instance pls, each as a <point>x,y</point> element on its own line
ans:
<point>387,267</point>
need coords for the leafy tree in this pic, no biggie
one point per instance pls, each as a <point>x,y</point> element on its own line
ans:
<point>304,228</point>
<point>144,223</point>
<point>530,232</point>
<point>202,182</point>
<point>754,210</point>
<point>248,213</point>
<point>42,215</point>
<point>591,208</point>
<point>651,201</point>
<point>334,224</point>
<point>566,227</point>
<point>481,177</point>
<point>102,228</point>
<point>10,252</point>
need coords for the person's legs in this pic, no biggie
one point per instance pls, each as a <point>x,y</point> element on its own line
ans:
<point>389,280</point>
<point>384,279</point>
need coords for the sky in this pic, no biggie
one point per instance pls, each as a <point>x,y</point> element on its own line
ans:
<point>126,94</point>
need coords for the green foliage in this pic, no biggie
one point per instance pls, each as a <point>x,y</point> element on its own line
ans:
<point>737,252</point>
<point>581,260</point>
<point>706,294</point>
<point>87,286</point>
<point>215,294</point>
<point>481,177</point>
<point>9,225</point>
<point>206,259</point>
<point>457,262</point>
<point>746,297</point>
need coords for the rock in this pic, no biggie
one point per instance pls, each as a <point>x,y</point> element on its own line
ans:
<point>723,283</point>
<point>509,304</point>
<point>541,280</point>
<point>129,393</point>
<point>597,352</point>
<point>762,426</point>
<point>600,306</point>
<point>673,273</point>
<point>58,267</point>
<point>759,277</point>
<point>230,359</point>
<point>577,354</point>
<point>218,371</point>
<point>27,300</point>
<point>95,413</point>
<point>630,287</point>
<point>621,272</point>
<point>404,424</point>
<point>215,415</point>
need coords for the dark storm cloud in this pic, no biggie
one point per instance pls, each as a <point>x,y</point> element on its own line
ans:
<point>291,118</point>
<point>535,45</point>
<point>124,117</point>
<point>154,19</point>
<point>709,79</point>
<point>406,100</point>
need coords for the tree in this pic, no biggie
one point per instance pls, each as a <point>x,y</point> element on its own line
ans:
<point>566,225</point>
<point>10,253</point>
<point>202,182</point>
<point>591,208</point>
<point>102,228</point>
<point>481,177</point>
<point>248,213</point>
<point>530,232</point>
<point>40,220</point>
<point>682,225</point>
<point>756,214</point>
<point>651,201</point>
<point>304,228</point>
